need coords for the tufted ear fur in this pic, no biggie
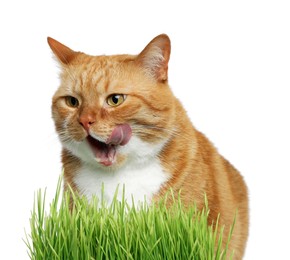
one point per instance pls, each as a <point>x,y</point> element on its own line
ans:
<point>63,53</point>
<point>155,57</point>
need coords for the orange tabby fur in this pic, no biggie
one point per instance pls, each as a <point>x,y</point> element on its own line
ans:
<point>191,162</point>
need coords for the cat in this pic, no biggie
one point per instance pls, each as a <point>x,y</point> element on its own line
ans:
<point>120,124</point>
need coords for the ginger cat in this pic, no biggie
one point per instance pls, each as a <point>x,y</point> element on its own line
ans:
<point>120,124</point>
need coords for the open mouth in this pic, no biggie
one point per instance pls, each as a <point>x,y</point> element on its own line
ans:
<point>105,152</point>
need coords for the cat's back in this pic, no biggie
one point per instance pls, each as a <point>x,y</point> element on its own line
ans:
<point>197,169</point>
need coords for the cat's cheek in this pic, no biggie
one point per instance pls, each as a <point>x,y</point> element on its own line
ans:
<point>77,134</point>
<point>80,150</point>
<point>139,151</point>
<point>72,129</point>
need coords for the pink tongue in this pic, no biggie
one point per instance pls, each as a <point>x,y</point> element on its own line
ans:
<point>120,135</point>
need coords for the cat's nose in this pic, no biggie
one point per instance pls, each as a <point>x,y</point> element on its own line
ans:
<point>86,121</point>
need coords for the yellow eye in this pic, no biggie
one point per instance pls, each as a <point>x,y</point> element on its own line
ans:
<point>71,101</point>
<point>115,100</point>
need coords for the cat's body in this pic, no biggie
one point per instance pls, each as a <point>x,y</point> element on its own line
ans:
<point>120,124</point>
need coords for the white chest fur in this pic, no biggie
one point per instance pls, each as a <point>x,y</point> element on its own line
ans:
<point>140,182</point>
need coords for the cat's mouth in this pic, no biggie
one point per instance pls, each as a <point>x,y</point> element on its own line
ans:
<point>105,152</point>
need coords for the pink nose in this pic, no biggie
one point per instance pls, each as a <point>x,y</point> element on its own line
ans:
<point>86,121</point>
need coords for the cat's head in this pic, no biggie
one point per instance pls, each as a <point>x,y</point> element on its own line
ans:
<point>111,109</point>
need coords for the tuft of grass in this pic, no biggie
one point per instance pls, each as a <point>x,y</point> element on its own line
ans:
<point>94,230</point>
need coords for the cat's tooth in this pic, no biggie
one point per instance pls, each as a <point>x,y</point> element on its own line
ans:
<point>111,154</point>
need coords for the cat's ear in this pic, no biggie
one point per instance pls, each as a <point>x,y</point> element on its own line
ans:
<point>155,57</point>
<point>63,53</point>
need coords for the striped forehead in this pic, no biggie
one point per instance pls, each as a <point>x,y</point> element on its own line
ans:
<point>96,77</point>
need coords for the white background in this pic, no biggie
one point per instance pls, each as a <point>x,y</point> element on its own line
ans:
<point>230,66</point>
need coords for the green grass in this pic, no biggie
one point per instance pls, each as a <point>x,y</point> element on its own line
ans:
<point>117,231</point>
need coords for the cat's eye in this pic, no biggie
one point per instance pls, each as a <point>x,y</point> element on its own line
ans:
<point>71,101</point>
<point>115,100</point>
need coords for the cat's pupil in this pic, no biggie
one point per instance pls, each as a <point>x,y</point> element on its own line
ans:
<point>73,101</point>
<point>115,99</point>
